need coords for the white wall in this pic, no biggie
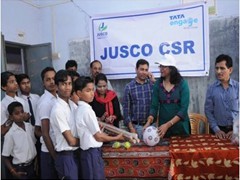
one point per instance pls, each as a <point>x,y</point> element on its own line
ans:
<point>66,22</point>
<point>18,17</point>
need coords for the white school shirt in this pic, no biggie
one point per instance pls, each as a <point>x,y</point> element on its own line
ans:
<point>34,100</point>
<point>4,105</point>
<point>62,119</point>
<point>87,126</point>
<point>44,107</point>
<point>20,144</point>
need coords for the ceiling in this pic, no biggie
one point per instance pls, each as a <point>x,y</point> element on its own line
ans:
<point>45,3</point>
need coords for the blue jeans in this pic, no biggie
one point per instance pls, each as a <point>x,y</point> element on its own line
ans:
<point>139,130</point>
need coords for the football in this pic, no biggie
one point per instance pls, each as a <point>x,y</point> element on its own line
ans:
<point>150,136</point>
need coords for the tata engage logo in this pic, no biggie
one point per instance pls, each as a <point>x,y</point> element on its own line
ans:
<point>182,20</point>
<point>102,31</point>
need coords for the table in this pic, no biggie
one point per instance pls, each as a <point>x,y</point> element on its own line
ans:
<point>203,157</point>
<point>139,161</point>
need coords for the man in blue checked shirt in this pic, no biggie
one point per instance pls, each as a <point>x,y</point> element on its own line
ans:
<point>137,99</point>
<point>222,99</point>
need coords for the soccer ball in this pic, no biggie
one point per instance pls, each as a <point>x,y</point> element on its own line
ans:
<point>150,136</point>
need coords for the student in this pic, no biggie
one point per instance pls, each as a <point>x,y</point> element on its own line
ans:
<point>137,99</point>
<point>222,99</point>
<point>64,128</point>
<point>170,101</point>
<point>19,145</point>
<point>105,103</point>
<point>91,138</point>
<point>10,87</point>
<point>71,65</point>
<point>96,68</point>
<point>31,100</point>
<point>42,126</point>
<point>74,96</point>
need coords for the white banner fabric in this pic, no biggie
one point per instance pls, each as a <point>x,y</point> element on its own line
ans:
<point>119,40</point>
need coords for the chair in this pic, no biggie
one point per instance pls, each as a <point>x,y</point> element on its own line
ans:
<point>199,124</point>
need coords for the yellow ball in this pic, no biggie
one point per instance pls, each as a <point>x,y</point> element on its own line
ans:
<point>127,145</point>
<point>116,144</point>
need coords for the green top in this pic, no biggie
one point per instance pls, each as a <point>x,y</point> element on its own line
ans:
<point>170,104</point>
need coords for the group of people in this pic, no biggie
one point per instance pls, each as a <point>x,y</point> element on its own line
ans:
<point>60,129</point>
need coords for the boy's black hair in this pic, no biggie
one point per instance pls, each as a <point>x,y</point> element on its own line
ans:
<point>12,106</point>
<point>45,70</point>
<point>61,76</point>
<point>4,78</point>
<point>99,77</point>
<point>224,57</point>
<point>20,77</point>
<point>82,82</point>
<point>70,63</point>
<point>74,74</point>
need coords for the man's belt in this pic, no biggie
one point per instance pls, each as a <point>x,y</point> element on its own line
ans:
<point>139,123</point>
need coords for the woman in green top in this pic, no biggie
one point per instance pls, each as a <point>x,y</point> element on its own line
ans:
<point>170,101</point>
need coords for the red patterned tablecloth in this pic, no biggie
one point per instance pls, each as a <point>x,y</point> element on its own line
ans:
<point>138,161</point>
<point>203,157</point>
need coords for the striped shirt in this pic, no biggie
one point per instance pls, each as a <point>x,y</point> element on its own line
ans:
<point>137,100</point>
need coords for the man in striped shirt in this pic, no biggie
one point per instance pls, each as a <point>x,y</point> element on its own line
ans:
<point>137,99</point>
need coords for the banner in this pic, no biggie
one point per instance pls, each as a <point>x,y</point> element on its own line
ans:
<point>119,40</point>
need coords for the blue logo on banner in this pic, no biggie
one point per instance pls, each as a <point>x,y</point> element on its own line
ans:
<point>181,20</point>
<point>102,31</point>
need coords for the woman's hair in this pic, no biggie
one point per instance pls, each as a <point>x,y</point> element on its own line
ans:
<point>175,76</point>
<point>100,77</point>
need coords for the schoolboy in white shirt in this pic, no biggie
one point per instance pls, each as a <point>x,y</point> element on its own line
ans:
<point>24,84</point>
<point>89,133</point>
<point>19,145</point>
<point>64,128</point>
<point>31,101</point>
<point>42,125</point>
<point>10,86</point>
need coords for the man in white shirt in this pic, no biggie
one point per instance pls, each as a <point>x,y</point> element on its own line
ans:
<point>42,125</point>
<point>24,84</point>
